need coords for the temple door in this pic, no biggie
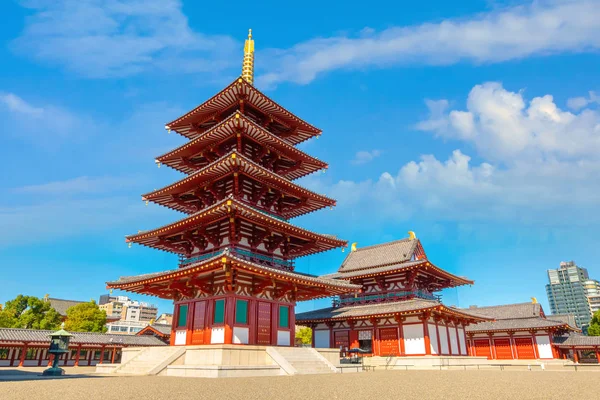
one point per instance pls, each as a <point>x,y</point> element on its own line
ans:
<point>524,348</point>
<point>263,326</point>
<point>342,340</point>
<point>503,350</point>
<point>388,342</point>
<point>199,322</point>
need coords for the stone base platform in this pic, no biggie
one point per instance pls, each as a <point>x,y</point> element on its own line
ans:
<point>215,361</point>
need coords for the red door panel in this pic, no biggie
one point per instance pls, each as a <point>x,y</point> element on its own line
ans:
<point>482,348</point>
<point>388,342</point>
<point>263,334</point>
<point>199,322</point>
<point>524,348</point>
<point>503,350</point>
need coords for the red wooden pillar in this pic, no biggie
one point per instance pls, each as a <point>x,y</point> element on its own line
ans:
<point>470,345</point>
<point>331,337</point>
<point>114,353</point>
<point>598,354</point>
<point>23,352</point>
<point>492,346</point>
<point>50,359</point>
<point>511,341</point>
<point>40,357</point>
<point>274,322</point>
<point>536,352</point>
<point>437,336</point>
<point>174,324</point>
<point>400,320</point>
<point>209,318</point>
<point>575,356</point>
<point>555,353</point>
<point>101,355</point>
<point>292,325</point>
<point>312,337</point>
<point>252,321</point>
<point>189,327</point>
<point>375,337</point>
<point>426,339</point>
<point>446,322</point>
<point>457,338</point>
<point>77,356</point>
<point>229,319</point>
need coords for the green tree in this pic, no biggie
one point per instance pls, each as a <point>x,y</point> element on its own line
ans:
<point>304,334</point>
<point>594,327</point>
<point>86,317</point>
<point>29,312</point>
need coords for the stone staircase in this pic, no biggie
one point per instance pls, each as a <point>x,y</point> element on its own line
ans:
<point>305,360</point>
<point>151,360</point>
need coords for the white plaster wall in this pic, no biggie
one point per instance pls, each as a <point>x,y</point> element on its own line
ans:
<point>453,340</point>
<point>240,335</point>
<point>544,347</point>
<point>322,339</point>
<point>433,338</point>
<point>180,338</point>
<point>410,320</point>
<point>283,338</point>
<point>414,342</point>
<point>443,339</point>
<point>217,335</point>
<point>463,343</point>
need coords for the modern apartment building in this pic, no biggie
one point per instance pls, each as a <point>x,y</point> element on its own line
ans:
<point>131,315</point>
<point>569,289</point>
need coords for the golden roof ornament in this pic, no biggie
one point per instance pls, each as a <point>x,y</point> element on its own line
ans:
<point>412,235</point>
<point>248,64</point>
<point>353,248</point>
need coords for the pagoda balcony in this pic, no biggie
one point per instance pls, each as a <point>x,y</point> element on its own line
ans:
<point>340,301</point>
<point>287,265</point>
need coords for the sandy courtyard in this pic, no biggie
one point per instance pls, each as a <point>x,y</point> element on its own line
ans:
<point>470,384</point>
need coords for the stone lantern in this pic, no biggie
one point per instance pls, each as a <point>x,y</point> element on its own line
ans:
<point>59,344</point>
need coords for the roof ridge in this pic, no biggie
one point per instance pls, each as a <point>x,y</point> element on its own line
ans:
<point>380,245</point>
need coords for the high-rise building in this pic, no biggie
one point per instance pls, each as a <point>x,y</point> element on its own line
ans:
<point>569,289</point>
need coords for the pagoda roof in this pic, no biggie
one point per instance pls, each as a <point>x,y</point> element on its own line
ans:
<point>388,309</point>
<point>235,162</point>
<point>229,127</point>
<point>138,283</point>
<point>223,209</point>
<point>421,265</point>
<point>379,255</point>
<point>230,96</point>
<point>509,311</point>
<point>519,324</point>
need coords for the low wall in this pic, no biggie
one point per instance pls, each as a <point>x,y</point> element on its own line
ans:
<point>227,355</point>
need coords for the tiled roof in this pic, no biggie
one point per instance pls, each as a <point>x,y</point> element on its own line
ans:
<point>396,252</point>
<point>576,339</point>
<point>165,329</point>
<point>61,305</point>
<point>126,281</point>
<point>565,318</point>
<point>514,324</point>
<point>508,311</point>
<point>41,336</point>
<point>377,309</point>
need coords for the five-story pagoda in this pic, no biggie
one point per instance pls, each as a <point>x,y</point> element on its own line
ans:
<point>236,281</point>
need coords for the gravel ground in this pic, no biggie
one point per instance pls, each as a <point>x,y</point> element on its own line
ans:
<point>368,385</point>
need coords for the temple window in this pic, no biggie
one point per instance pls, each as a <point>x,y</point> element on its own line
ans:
<point>241,311</point>
<point>182,318</point>
<point>284,317</point>
<point>219,316</point>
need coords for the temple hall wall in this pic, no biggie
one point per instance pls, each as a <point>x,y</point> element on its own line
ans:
<point>414,341</point>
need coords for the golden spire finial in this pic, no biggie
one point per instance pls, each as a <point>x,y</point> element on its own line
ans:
<point>248,64</point>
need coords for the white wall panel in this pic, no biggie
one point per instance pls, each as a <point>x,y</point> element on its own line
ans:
<point>433,338</point>
<point>544,347</point>
<point>414,342</point>
<point>461,340</point>
<point>322,339</point>
<point>217,336</point>
<point>283,338</point>
<point>453,340</point>
<point>180,338</point>
<point>240,335</point>
<point>443,339</point>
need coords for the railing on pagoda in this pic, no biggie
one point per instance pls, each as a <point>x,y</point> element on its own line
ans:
<point>383,297</point>
<point>275,262</point>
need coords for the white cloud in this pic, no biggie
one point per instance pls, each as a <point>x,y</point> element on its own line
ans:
<point>103,38</point>
<point>536,164</point>
<point>577,103</point>
<point>540,28</point>
<point>363,156</point>
<point>505,127</point>
<point>40,123</point>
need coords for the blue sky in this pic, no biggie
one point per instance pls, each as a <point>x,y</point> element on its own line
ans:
<point>475,124</point>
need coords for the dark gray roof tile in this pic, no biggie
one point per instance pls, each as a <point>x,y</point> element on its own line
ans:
<point>396,252</point>
<point>41,336</point>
